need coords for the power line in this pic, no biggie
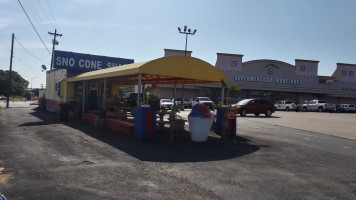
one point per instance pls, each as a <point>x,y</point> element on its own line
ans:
<point>29,53</point>
<point>50,9</point>
<point>44,13</point>
<point>35,15</point>
<point>26,64</point>
<point>33,26</point>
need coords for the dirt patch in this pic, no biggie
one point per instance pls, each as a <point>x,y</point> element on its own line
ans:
<point>4,178</point>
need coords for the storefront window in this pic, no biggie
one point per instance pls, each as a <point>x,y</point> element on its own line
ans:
<point>93,88</point>
<point>278,96</point>
<point>107,89</point>
<point>267,95</point>
<point>78,88</point>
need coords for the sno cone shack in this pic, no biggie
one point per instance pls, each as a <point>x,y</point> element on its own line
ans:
<point>96,92</point>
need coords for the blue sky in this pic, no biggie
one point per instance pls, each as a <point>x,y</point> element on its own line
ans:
<point>323,30</point>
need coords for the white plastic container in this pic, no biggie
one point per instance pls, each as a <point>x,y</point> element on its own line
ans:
<point>199,128</point>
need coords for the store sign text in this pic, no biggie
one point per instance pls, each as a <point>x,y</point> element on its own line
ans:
<point>86,62</point>
<point>268,80</point>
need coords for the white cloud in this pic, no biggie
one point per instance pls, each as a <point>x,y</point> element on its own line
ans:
<point>70,22</point>
<point>5,1</point>
<point>4,22</point>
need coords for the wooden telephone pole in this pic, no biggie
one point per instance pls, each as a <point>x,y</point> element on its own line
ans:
<point>10,73</point>
<point>54,42</point>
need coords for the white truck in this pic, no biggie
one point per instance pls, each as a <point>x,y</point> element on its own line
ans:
<point>319,105</point>
<point>203,100</point>
<point>285,105</point>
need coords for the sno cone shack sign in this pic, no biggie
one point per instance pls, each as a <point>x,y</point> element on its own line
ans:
<point>86,62</point>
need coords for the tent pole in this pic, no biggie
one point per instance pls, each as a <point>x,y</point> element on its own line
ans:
<point>139,90</point>
<point>143,94</point>
<point>222,94</point>
<point>104,95</point>
<point>175,92</point>
<point>181,102</point>
<point>83,98</point>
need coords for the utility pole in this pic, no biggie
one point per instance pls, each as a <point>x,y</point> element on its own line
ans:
<point>9,83</point>
<point>54,42</point>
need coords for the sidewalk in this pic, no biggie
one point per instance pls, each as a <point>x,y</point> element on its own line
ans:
<point>18,104</point>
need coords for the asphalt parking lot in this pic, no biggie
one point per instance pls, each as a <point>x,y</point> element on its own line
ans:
<point>337,124</point>
<point>43,158</point>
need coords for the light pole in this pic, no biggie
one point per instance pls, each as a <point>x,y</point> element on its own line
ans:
<point>32,80</point>
<point>186,32</point>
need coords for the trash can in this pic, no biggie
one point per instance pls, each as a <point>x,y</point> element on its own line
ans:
<point>220,117</point>
<point>64,111</point>
<point>199,128</point>
<point>200,121</point>
<point>145,123</point>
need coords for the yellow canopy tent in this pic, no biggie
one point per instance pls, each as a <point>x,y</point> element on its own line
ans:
<point>170,69</point>
<point>165,70</point>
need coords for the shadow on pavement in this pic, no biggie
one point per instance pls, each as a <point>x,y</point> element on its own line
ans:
<point>160,149</point>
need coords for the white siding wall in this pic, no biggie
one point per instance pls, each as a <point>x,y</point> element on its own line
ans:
<point>229,62</point>
<point>54,77</point>
<point>306,68</point>
<point>346,72</point>
<point>173,52</point>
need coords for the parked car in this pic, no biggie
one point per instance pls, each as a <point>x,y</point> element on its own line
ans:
<point>2,97</point>
<point>347,108</point>
<point>285,105</point>
<point>185,102</point>
<point>254,106</point>
<point>203,100</point>
<point>165,104</point>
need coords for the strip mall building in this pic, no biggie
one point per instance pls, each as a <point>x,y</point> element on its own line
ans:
<point>274,80</point>
<point>268,79</point>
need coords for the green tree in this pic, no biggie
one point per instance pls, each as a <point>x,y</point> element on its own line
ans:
<point>36,91</point>
<point>18,84</point>
<point>233,87</point>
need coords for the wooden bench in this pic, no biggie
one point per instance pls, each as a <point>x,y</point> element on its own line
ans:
<point>120,125</point>
<point>87,117</point>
